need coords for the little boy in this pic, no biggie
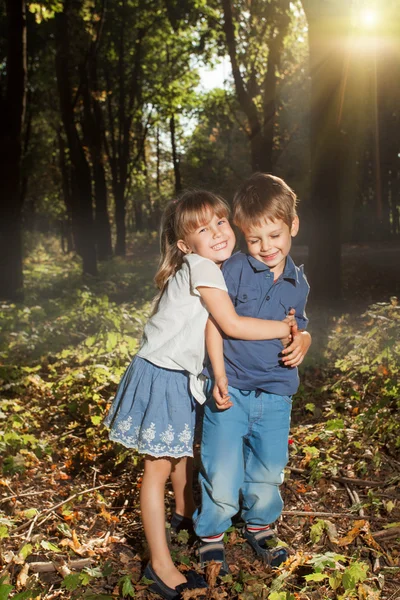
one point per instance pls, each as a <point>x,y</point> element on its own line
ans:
<point>245,449</point>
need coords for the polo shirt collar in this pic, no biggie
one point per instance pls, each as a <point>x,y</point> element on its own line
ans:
<point>290,271</point>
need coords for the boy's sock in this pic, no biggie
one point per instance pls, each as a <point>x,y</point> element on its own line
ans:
<point>213,538</point>
<point>258,528</point>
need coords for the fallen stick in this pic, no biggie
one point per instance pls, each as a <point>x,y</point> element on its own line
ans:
<point>310,513</point>
<point>55,506</point>
<point>24,494</point>
<point>351,480</point>
<point>48,567</point>
<point>387,533</point>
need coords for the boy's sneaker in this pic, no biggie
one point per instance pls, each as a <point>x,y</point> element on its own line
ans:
<point>266,545</point>
<point>213,552</point>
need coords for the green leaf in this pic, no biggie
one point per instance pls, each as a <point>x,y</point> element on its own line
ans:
<point>30,513</point>
<point>85,577</point>
<point>25,551</point>
<point>5,590</point>
<point>64,529</point>
<point>317,530</point>
<point>71,582</point>
<point>185,560</point>
<point>3,532</point>
<point>354,574</point>
<point>49,546</point>
<point>27,594</point>
<point>183,536</point>
<point>126,586</point>
<point>94,572</point>
<point>329,559</point>
<point>96,419</point>
<point>107,569</point>
<point>335,580</point>
<point>334,424</point>
<point>316,577</point>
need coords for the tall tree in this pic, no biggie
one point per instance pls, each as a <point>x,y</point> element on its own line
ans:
<point>328,26</point>
<point>81,187</point>
<point>12,112</point>
<point>122,62</point>
<point>255,34</point>
<point>93,126</point>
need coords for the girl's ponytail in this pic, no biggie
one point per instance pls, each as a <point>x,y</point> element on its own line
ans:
<point>171,258</point>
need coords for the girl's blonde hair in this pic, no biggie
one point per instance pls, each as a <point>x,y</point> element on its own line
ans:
<point>180,217</point>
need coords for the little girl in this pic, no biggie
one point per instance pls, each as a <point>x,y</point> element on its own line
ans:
<point>154,408</point>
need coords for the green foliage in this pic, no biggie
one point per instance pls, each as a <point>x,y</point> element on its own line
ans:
<point>217,153</point>
<point>53,403</point>
<point>6,589</point>
<point>371,369</point>
<point>355,573</point>
<point>69,349</point>
<point>126,587</point>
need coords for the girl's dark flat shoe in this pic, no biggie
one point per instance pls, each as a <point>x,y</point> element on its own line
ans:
<point>177,524</point>
<point>194,581</point>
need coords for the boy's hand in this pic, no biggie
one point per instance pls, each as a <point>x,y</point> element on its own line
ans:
<point>220,393</point>
<point>294,354</point>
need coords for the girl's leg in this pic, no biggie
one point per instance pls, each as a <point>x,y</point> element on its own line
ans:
<point>156,473</point>
<point>182,484</point>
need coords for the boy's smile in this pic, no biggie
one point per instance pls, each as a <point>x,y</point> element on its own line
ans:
<point>270,243</point>
<point>214,240</point>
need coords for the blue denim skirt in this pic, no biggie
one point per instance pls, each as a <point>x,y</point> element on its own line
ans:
<point>153,411</point>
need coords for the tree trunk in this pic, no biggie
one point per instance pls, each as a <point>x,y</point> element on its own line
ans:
<point>261,124</point>
<point>93,124</point>
<point>12,111</point>
<point>120,211</point>
<point>327,41</point>
<point>175,159</point>
<point>68,242</point>
<point>81,191</point>
<point>120,118</point>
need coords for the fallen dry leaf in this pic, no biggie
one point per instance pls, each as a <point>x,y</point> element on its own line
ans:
<point>195,593</point>
<point>22,577</point>
<point>212,572</point>
<point>352,534</point>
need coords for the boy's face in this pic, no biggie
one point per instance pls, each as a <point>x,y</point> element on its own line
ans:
<point>270,243</point>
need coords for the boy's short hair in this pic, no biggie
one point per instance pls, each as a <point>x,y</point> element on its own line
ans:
<point>263,196</point>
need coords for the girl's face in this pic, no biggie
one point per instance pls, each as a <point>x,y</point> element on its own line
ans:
<point>213,239</point>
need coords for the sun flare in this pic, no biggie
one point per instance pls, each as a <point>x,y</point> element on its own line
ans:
<point>369,18</point>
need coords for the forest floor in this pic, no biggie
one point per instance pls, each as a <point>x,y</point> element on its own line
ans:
<point>69,515</point>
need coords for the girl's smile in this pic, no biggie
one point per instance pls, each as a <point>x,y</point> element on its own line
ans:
<point>214,240</point>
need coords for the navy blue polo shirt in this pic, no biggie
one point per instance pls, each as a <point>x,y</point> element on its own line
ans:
<point>256,365</point>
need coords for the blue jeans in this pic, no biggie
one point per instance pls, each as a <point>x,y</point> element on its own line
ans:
<point>243,452</point>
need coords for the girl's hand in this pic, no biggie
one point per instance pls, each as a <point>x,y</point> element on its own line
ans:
<point>291,321</point>
<point>220,393</point>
